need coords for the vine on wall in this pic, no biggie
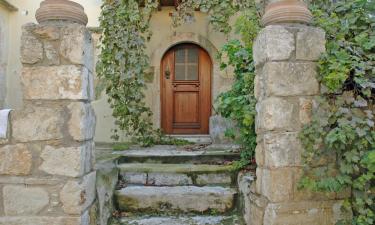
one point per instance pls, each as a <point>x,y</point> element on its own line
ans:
<point>342,129</point>
<point>238,103</point>
<point>122,65</point>
<point>219,12</point>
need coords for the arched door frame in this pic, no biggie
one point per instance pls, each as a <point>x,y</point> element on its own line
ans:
<point>162,48</point>
<point>186,102</point>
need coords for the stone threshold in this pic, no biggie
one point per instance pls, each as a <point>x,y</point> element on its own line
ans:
<point>173,168</point>
<point>182,220</point>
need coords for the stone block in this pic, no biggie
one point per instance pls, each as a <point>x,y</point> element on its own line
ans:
<point>277,185</point>
<point>85,218</point>
<point>306,106</point>
<point>135,178</point>
<point>310,43</point>
<point>15,160</point>
<point>257,205</point>
<point>51,51</point>
<point>214,178</point>
<point>273,43</point>
<point>183,220</point>
<point>67,161</point>
<point>282,150</point>
<point>259,180</point>
<point>40,220</point>
<point>77,46</point>
<point>168,179</point>
<point>37,123</point>
<point>277,114</point>
<point>245,180</point>
<point>259,154</point>
<point>306,212</point>
<point>106,181</point>
<point>42,181</point>
<point>56,82</point>
<point>259,85</point>
<point>47,31</point>
<point>11,180</point>
<point>82,121</point>
<point>76,196</point>
<point>175,199</point>
<point>91,90</point>
<point>31,46</point>
<point>218,126</point>
<point>290,79</point>
<point>23,200</point>
<point>88,158</point>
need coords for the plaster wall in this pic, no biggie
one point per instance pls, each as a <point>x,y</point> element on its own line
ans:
<point>164,36</point>
<point>4,40</point>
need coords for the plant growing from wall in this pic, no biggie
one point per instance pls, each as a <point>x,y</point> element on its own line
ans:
<point>238,104</point>
<point>123,61</point>
<point>342,131</point>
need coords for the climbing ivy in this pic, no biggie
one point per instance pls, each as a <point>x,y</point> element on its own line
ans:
<point>342,131</point>
<point>123,61</point>
<point>219,12</point>
<point>238,103</point>
<point>122,65</point>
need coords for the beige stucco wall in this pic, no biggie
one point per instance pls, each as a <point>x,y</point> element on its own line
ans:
<point>4,43</point>
<point>164,37</point>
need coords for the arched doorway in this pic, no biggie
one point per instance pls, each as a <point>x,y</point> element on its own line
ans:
<point>186,90</point>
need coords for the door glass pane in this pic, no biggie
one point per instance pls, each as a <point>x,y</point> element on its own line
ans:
<point>193,55</point>
<point>180,56</point>
<point>180,72</point>
<point>192,72</point>
<point>186,63</point>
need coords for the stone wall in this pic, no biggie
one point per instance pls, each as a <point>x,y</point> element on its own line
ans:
<point>46,163</point>
<point>285,86</point>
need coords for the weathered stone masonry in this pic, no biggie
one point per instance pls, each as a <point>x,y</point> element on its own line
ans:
<point>46,164</point>
<point>286,84</point>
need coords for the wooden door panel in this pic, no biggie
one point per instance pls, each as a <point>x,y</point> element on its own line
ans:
<point>186,90</point>
<point>186,107</point>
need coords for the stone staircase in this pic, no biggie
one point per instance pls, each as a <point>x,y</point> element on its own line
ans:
<point>177,186</point>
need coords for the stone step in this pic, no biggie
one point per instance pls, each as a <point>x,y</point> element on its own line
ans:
<point>175,199</point>
<point>176,174</point>
<point>183,220</point>
<point>198,139</point>
<point>171,154</point>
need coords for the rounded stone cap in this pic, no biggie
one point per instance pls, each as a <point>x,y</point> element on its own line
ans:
<point>61,10</point>
<point>286,11</point>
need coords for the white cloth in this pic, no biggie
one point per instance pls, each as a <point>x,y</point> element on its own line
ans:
<point>4,122</point>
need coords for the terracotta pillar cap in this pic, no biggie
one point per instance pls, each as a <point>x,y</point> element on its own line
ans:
<point>286,11</point>
<point>61,10</point>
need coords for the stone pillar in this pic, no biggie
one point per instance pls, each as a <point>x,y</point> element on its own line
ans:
<point>46,165</point>
<point>286,83</point>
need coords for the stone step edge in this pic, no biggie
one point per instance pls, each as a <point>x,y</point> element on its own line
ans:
<point>228,189</point>
<point>175,168</point>
<point>185,219</point>
<point>175,153</point>
<point>192,199</point>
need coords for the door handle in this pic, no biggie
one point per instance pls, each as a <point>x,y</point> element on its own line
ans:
<point>167,75</point>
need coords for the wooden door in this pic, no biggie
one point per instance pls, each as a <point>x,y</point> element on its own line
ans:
<point>186,90</point>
